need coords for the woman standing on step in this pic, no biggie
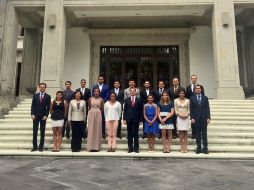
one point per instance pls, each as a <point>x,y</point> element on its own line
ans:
<point>165,115</point>
<point>182,111</point>
<point>77,117</point>
<point>113,112</point>
<point>58,110</point>
<point>95,105</point>
<point>151,123</point>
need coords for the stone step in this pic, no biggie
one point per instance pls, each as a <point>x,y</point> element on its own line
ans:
<point>143,147</point>
<point>243,135</point>
<point>212,141</point>
<point>247,128</point>
<point>213,114</point>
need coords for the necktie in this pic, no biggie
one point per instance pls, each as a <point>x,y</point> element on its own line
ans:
<point>41,98</point>
<point>175,89</point>
<point>199,99</point>
<point>160,91</point>
<point>132,102</point>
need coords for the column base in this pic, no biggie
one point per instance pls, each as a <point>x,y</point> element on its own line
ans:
<point>230,93</point>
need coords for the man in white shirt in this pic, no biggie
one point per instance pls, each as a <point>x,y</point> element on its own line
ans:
<point>127,90</point>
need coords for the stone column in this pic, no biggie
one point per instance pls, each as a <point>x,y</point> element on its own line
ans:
<point>30,62</point>
<point>9,51</point>
<point>53,48</point>
<point>2,21</point>
<point>225,51</point>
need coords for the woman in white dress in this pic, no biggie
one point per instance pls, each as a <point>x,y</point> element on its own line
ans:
<point>182,111</point>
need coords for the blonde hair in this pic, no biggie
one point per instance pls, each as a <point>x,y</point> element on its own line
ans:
<point>162,101</point>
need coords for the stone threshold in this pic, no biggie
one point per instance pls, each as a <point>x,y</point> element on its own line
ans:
<point>123,154</point>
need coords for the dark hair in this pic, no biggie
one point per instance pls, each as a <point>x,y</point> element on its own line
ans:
<point>181,90</point>
<point>199,86</point>
<point>59,92</point>
<point>74,95</point>
<point>83,80</point>
<point>43,83</point>
<point>150,95</point>
<point>100,76</point>
<point>133,88</point>
<point>68,82</point>
<point>175,78</point>
<point>112,93</point>
<point>194,75</point>
<point>96,89</point>
<point>117,81</point>
<point>131,80</point>
<point>147,81</point>
<point>161,81</point>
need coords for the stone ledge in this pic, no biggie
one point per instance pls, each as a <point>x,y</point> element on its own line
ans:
<point>122,154</point>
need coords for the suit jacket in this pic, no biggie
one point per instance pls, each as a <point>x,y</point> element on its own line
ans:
<point>127,93</point>
<point>173,95</point>
<point>190,93</point>
<point>40,109</point>
<point>158,95</point>
<point>199,112</point>
<point>68,95</point>
<point>135,114</point>
<point>120,96</point>
<point>86,95</point>
<point>104,94</point>
<point>143,95</point>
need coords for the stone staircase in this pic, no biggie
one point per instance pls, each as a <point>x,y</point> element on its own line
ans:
<point>230,135</point>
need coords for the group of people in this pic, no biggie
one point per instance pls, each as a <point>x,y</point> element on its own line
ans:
<point>168,113</point>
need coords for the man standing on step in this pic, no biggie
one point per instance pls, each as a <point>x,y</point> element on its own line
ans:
<point>68,96</point>
<point>190,91</point>
<point>133,117</point>
<point>39,112</point>
<point>200,117</point>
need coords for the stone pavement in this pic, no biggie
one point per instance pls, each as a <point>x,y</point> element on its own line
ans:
<point>125,174</point>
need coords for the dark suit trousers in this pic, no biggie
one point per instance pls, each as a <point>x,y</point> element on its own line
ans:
<point>77,130</point>
<point>133,129</point>
<point>174,122</point>
<point>36,123</point>
<point>201,132</point>
<point>66,127</point>
<point>119,128</point>
<point>193,130</point>
<point>103,123</point>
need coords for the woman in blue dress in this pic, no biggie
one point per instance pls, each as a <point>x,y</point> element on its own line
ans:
<point>151,123</point>
<point>165,115</point>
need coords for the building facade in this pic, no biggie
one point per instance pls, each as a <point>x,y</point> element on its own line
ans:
<point>145,39</point>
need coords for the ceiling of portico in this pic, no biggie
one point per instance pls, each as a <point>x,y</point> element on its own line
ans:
<point>132,17</point>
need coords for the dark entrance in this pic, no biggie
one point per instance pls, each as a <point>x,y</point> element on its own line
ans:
<point>139,63</point>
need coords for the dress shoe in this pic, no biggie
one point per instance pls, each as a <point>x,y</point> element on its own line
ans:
<point>40,149</point>
<point>73,150</point>
<point>137,151</point>
<point>130,151</point>
<point>206,151</point>
<point>159,137</point>
<point>119,136</point>
<point>193,137</point>
<point>104,136</point>
<point>113,150</point>
<point>33,149</point>
<point>144,136</point>
<point>174,136</point>
<point>198,151</point>
<point>109,150</point>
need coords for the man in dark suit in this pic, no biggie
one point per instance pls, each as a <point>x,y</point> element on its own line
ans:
<point>67,96</point>
<point>86,95</point>
<point>200,116</point>
<point>158,93</point>
<point>39,112</point>
<point>120,98</point>
<point>174,94</point>
<point>143,96</point>
<point>133,116</point>
<point>104,94</point>
<point>190,91</point>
